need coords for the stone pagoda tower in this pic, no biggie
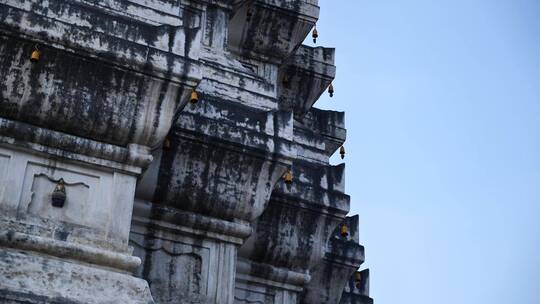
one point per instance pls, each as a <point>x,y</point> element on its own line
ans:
<point>168,151</point>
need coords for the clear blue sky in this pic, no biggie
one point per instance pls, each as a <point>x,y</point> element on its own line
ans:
<point>442,101</point>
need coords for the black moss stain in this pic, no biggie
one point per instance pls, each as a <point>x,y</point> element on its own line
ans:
<point>9,296</point>
<point>80,94</point>
<point>208,169</point>
<point>270,32</point>
<point>115,94</point>
<point>291,236</point>
<point>305,82</point>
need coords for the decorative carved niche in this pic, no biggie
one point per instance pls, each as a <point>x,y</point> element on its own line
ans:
<point>77,193</point>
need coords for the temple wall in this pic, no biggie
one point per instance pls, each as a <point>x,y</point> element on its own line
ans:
<point>165,151</point>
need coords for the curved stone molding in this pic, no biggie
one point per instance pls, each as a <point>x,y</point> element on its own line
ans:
<point>271,29</point>
<point>167,218</point>
<point>60,249</point>
<point>304,77</point>
<point>223,162</point>
<point>293,230</point>
<point>301,216</point>
<point>41,279</point>
<point>115,74</point>
<point>151,37</point>
<point>272,273</point>
<point>357,291</point>
<point>212,180</point>
<point>85,97</point>
<point>343,256</point>
<point>263,283</point>
<point>319,134</point>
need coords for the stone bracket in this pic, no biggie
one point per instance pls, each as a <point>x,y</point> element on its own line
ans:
<point>304,77</point>
<point>269,29</point>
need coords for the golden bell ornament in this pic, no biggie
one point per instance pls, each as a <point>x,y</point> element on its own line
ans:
<point>194,97</point>
<point>344,231</point>
<point>358,276</point>
<point>285,81</point>
<point>342,152</point>
<point>166,144</point>
<point>35,55</point>
<point>357,279</point>
<point>331,90</point>
<point>315,35</point>
<point>288,177</point>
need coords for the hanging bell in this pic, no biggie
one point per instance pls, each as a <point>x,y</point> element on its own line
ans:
<point>288,177</point>
<point>342,152</point>
<point>357,278</point>
<point>285,81</point>
<point>194,97</point>
<point>58,196</point>
<point>344,231</point>
<point>314,34</point>
<point>166,144</point>
<point>35,55</point>
<point>331,90</point>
